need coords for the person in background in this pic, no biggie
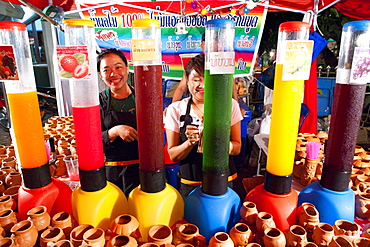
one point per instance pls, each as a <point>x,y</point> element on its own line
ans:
<point>118,119</point>
<point>182,87</point>
<point>182,122</point>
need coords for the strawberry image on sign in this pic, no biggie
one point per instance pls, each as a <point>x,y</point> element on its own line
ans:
<point>69,63</point>
<point>74,66</point>
<point>80,71</point>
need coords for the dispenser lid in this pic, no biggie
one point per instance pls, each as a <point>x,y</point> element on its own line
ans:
<point>12,26</point>
<point>145,23</point>
<point>356,26</point>
<point>292,26</point>
<point>220,23</point>
<point>78,22</point>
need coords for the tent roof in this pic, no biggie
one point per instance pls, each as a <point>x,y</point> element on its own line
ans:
<point>358,9</point>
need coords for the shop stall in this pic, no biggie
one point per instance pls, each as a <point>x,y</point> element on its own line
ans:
<point>98,214</point>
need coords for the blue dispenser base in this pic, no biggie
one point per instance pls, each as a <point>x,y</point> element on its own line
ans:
<point>332,205</point>
<point>212,214</point>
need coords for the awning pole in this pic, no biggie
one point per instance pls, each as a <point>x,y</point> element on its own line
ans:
<point>40,13</point>
<point>328,6</point>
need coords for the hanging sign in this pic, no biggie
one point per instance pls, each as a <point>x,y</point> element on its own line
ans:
<point>143,50</point>
<point>360,72</point>
<point>222,63</point>
<point>73,62</point>
<point>297,56</point>
<point>8,67</point>
<point>113,30</point>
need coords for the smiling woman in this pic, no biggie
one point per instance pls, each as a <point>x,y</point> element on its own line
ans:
<point>118,117</point>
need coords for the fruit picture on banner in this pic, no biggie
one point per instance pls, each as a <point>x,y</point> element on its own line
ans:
<point>73,61</point>
<point>8,68</point>
<point>113,30</point>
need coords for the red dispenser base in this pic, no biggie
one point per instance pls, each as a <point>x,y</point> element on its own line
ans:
<point>282,207</point>
<point>56,196</point>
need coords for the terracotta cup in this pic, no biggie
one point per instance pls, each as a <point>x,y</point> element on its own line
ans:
<point>8,170</point>
<point>10,161</point>
<point>125,224</point>
<point>273,237</point>
<point>221,239</point>
<point>296,236</point>
<point>3,176</point>
<point>248,212</point>
<point>13,179</point>
<point>13,192</point>
<point>63,220</point>
<point>347,229</point>
<point>361,242</point>
<point>340,241</point>
<point>51,235</point>
<point>40,217</point>
<point>77,233</point>
<point>127,241</point>
<point>24,233</point>
<point>63,243</point>
<point>187,234</point>
<point>323,234</point>
<point>148,245</point>
<point>264,220</point>
<point>6,202</point>
<point>7,220</point>
<point>184,245</point>
<point>308,218</point>
<point>10,151</point>
<point>94,237</point>
<point>253,245</point>
<point>241,234</point>
<point>160,234</point>
<point>7,242</point>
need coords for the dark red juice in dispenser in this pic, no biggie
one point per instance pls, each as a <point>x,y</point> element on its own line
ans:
<point>343,134</point>
<point>149,112</point>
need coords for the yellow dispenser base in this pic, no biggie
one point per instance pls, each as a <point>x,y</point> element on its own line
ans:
<point>99,208</point>
<point>165,207</point>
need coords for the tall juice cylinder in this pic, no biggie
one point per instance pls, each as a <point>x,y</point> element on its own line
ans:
<point>293,62</point>
<point>80,34</point>
<point>218,83</point>
<point>293,54</point>
<point>147,59</point>
<point>214,207</point>
<point>352,78</point>
<point>106,201</point>
<point>154,201</point>
<point>332,196</point>
<point>17,73</point>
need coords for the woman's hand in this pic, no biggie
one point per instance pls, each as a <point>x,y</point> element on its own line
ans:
<point>125,132</point>
<point>192,133</point>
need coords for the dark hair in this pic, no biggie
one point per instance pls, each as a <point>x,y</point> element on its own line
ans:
<point>204,37</point>
<point>197,64</point>
<point>108,51</point>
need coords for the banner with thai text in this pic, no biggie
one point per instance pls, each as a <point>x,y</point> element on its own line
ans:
<point>113,30</point>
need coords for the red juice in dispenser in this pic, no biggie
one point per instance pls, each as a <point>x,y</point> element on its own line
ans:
<point>149,113</point>
<point>84,93</point>
<point>89,141</point>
